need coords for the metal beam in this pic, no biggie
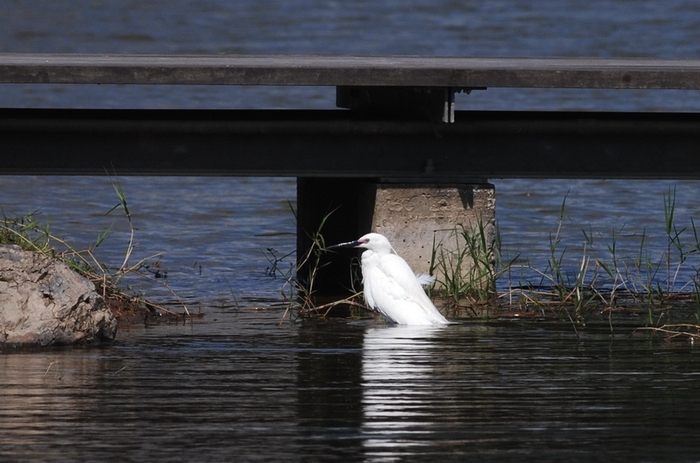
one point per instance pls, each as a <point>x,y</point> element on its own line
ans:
<point>339,143</point>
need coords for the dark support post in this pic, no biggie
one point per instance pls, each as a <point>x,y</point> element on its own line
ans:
<point>340,209</point>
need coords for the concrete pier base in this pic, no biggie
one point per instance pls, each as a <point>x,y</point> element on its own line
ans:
<point>412,216</point>
<point>417,218</point>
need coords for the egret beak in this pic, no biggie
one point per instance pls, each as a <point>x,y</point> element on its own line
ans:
<point>349,244</point>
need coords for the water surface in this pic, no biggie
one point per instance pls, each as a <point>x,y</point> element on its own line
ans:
<point>233,388</point>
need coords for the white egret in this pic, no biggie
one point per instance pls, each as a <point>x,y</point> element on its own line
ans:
<point>390,286</point>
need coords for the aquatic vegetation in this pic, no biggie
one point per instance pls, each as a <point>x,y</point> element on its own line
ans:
<point>606,280</point>
<point>311,261</point>
<point>26,232</point>
<point>299,288</point>
<point>467,270</point>
<point>675,330</point>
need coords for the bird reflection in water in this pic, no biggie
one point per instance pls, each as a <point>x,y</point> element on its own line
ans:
<point>398,389</point>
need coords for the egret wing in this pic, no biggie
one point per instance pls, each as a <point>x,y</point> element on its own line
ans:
<point>392,288</point>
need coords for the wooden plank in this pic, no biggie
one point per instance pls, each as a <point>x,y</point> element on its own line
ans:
<point>457,72</point>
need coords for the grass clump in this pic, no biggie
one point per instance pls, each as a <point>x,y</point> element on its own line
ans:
<point>467,265</point>
<point>300,287</point>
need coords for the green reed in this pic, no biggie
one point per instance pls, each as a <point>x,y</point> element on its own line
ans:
<point>601,281</point>
<point>467,270</point>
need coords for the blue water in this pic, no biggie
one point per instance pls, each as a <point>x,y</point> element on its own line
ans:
<point>234,385</point>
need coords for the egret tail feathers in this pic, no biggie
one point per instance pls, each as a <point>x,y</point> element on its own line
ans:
<point>425,280</point>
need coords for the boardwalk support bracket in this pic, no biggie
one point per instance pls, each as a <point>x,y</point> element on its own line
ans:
<point>436,104</point>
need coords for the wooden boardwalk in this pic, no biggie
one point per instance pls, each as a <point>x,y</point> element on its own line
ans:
<point>392,131</point>
<point>403,71</point>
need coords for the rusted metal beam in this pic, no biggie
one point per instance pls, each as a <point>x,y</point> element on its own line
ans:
<point>338,143</point>
<point>403,71</point>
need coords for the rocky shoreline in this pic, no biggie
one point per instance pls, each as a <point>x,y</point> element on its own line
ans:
<point>44,303</point>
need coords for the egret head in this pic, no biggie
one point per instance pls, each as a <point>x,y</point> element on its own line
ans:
<point>372,241</point>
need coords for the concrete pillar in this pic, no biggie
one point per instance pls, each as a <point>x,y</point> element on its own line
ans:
<point>413,217</point>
